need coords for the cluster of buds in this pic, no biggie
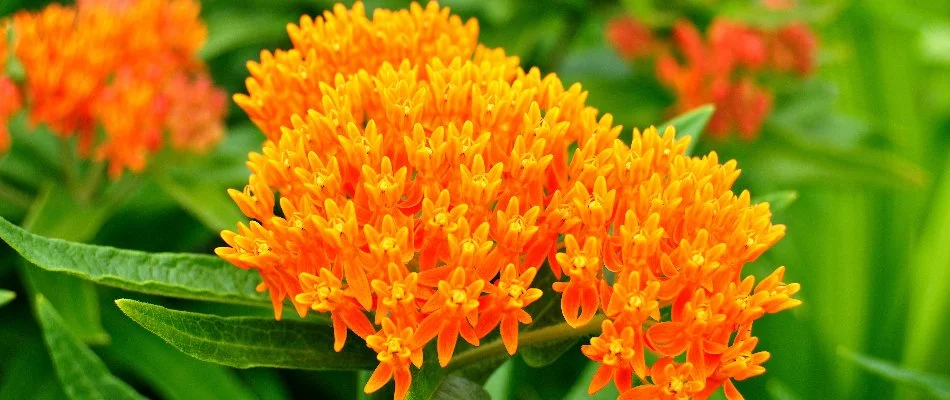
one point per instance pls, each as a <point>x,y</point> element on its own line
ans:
<point>118,76</point>
<point>723,68</point>
<point>415,176</point>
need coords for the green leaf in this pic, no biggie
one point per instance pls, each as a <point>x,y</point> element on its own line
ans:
<point>456,387</point>
<point>6,296</point>
<point>790,157</point>
<point>579,391</point>
<point>245,342</point>
<point>173,375</point>
<point>778,201</point>
<point>547,312</point>
<point>56,213</point>
<point>432,382</point>
<point>690,123</point>
<point>935,385</point>
<point>82,374</point>
<point>189,276</point>
<point>228,31</point>
<point>207,201</point>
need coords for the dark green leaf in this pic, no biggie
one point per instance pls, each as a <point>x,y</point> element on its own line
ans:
<point>433,382</point>
<point>82,374</point>
<point>690,123</point>
<point>245,342</point>
<point>778,201</point>
<point>935,385</point>
<point>6,296</point>
<point>190,276</point>
<point>456,387</point>
<point>547,312</point>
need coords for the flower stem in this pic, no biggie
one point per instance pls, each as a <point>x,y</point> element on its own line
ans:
<point>551,333</point>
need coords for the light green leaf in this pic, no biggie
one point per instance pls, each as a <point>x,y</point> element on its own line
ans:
<point>208,202</point>
<point>6,296</point>
<point>82,374</point>
<point>790,157</point>
<point>245,342</point>
<point>935,385</point>
<point>189,276</point>
<point>691,123</point>
<point>778,201</point>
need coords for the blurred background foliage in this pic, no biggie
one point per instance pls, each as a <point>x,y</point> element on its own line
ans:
<point>858,154</point>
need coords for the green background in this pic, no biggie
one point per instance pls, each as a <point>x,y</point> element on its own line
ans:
<point>865,143</point>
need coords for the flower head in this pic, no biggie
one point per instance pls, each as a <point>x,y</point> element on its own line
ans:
<point>432,184</point>
<point>129,67</point>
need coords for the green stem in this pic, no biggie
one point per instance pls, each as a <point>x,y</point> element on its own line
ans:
<point>14,197</point>
<point>541,335</point>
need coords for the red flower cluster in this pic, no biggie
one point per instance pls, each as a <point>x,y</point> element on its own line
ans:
<point>128,67</point>
<point>723,67</point>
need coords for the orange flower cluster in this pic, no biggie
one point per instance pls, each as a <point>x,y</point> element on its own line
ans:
<point>631,38</point>
<point>431,189</point>
<point>127,67</point>
<point>723,68</point>
<point>9,93</point>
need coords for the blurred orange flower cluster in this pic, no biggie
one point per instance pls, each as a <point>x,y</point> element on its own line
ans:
<point>429,181</point>
<point>118,75</point>
<point>9,93</point>
<point>722,68</point>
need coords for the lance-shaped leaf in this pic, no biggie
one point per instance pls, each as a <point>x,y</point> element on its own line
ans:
<point>82,374</point>
<point>189,276</point>
<point>934,385</point>
<point>691,123</point>
<point>245,342</point>
<point>778,201</point>
<point>6,296</point>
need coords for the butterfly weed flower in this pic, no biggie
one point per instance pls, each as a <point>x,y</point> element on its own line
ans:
<point>416,194</point>
<point>120,76</point>
<point>725,65</point>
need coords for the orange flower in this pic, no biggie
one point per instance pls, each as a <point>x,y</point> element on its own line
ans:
<point>723,69</point>
<point>346,42</point>
<point>453,310</point>
<point>432,184</point>
<point>618,353</point>
<point>129,67</point>
<point>583,266</point>
<point>395,352</point>
<point>325,293</point>
<point>738,362</point>
<point>510,294</point>
<point>671,381</point>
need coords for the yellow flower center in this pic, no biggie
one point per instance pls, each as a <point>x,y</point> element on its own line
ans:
<point>459,297</point>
